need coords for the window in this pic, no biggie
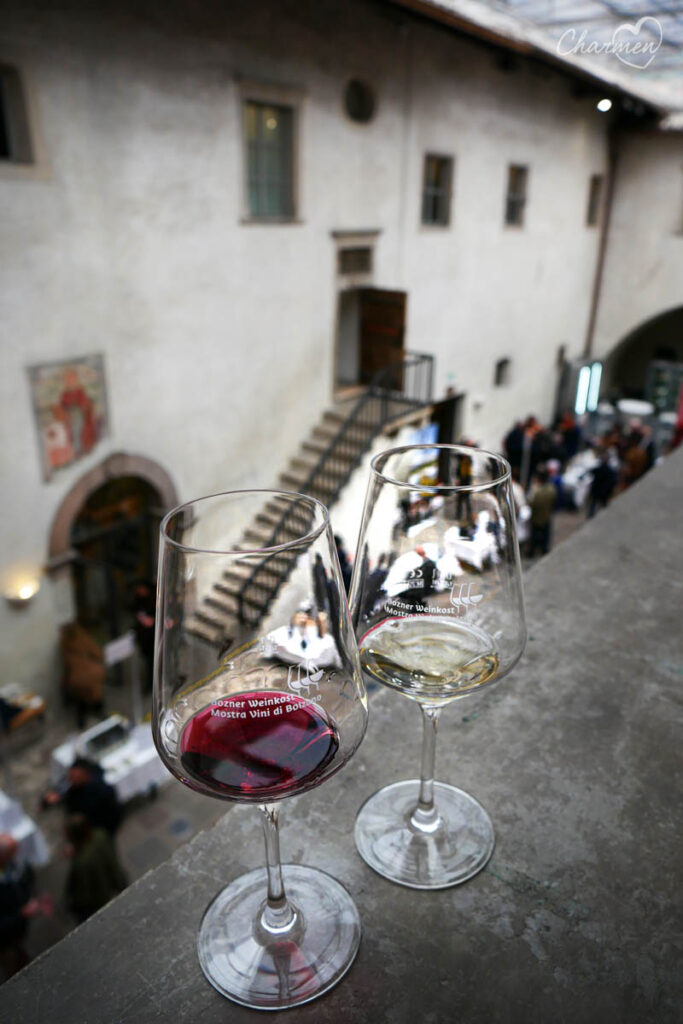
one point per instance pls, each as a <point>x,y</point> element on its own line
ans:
<point>501,377</point>
<point>359,101</point>
<point>436,190</point>
<point>15,140</point>
<point>594,200</point>
<point>270,159</point>
<point>515,200</point>
<point>355,261</point>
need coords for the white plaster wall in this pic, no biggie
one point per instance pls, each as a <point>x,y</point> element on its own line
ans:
<point>218,336</point>
<point>644,261</point>
<point>480,291</point>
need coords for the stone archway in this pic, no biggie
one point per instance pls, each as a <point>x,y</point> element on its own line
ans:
<point>658,339</point>
<point>116,465</point>
<point>60,552</point>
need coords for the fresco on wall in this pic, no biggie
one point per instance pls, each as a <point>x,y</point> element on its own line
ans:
<point>70,405</point>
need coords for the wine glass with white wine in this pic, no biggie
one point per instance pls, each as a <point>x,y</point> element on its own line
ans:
<point>436,603</point>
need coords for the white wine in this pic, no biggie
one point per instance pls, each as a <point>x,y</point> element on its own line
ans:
<point>429,659</point>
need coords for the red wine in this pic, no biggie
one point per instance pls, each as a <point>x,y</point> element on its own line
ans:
<point>258,745</point>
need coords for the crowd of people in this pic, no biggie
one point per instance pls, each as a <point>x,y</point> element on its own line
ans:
<point>541,456</point>
<point>92,815</point>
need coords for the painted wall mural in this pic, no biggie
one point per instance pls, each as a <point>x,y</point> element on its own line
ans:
<point>70,405</point>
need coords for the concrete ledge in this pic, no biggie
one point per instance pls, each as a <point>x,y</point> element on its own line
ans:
<point>577,758</point>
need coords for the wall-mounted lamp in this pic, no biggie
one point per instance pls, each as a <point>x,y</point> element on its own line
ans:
<point>604,105</point>
<point>19,586</point>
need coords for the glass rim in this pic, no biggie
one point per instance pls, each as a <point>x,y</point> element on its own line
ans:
<point>286,546</point>
<point>505,474</point>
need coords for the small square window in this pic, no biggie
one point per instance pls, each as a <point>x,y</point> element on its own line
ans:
<point>436,190</point>
<point>15,138</point>
<point>357,260</point>
<point>515,199</point>
<point>594,200</point>
<point>269,130</point>
<point>501,377</point>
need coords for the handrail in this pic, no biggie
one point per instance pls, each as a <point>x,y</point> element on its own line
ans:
<point>368,416</point>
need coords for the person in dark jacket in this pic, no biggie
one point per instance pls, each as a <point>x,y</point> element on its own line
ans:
<point>375,583</point>
<point>87,793</point>
<point>17,906</point>
<point>344,562</point>
<point>603,482</point>
<point>513,445</point>
<point>320,582</point>
<point>95,875</point>
<point>144,606</point>
<point>542,501</point>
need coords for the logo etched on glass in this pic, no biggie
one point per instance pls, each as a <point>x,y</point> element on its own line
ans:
<point>464,597</point>
<point>312,677</point>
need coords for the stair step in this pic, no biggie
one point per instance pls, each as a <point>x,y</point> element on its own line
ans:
<point>271,518</point>
<point>277,504</point>
<point>295,478</point>
<point>207,619</point>
<point>241,571</point>
<point>222,605</point>
<point>317,447</point>
<point>325,432</point>
<point>239,574</point>
<point>322,489</point>
<point>244,598</point>
<point>358,431</point>
<point>229,591</point>
<point>334,418</point>
<point>234,587</point>
<point>204,632</point>
<point>259,534</point>
<point>303,463</point>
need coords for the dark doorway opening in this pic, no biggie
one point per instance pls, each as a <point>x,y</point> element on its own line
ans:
<point>115,538</point>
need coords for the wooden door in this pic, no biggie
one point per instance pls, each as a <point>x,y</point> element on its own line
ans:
<point>382,330</point>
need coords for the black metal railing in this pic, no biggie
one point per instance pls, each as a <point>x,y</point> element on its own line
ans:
<point>400,387</point>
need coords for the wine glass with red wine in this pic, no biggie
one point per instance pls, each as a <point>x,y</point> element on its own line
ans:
<point>258,695</point>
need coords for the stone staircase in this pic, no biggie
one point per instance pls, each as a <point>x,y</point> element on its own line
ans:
<point>321,468</point>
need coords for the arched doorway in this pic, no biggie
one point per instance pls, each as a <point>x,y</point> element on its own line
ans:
<point>114,540</point>
<point>104,540</point>
<point>628,367</point>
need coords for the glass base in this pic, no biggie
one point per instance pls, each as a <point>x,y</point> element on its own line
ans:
<point>457,849</point>
<point>273,973</point>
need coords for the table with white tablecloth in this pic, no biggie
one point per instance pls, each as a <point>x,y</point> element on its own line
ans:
<point>133,767</point>
<point>33,848</point>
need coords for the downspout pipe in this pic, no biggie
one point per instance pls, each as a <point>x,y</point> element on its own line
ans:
<point>612,161</point>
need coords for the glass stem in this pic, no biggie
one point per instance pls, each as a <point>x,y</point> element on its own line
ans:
<point>278,917</point>
<point>425,818</point>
